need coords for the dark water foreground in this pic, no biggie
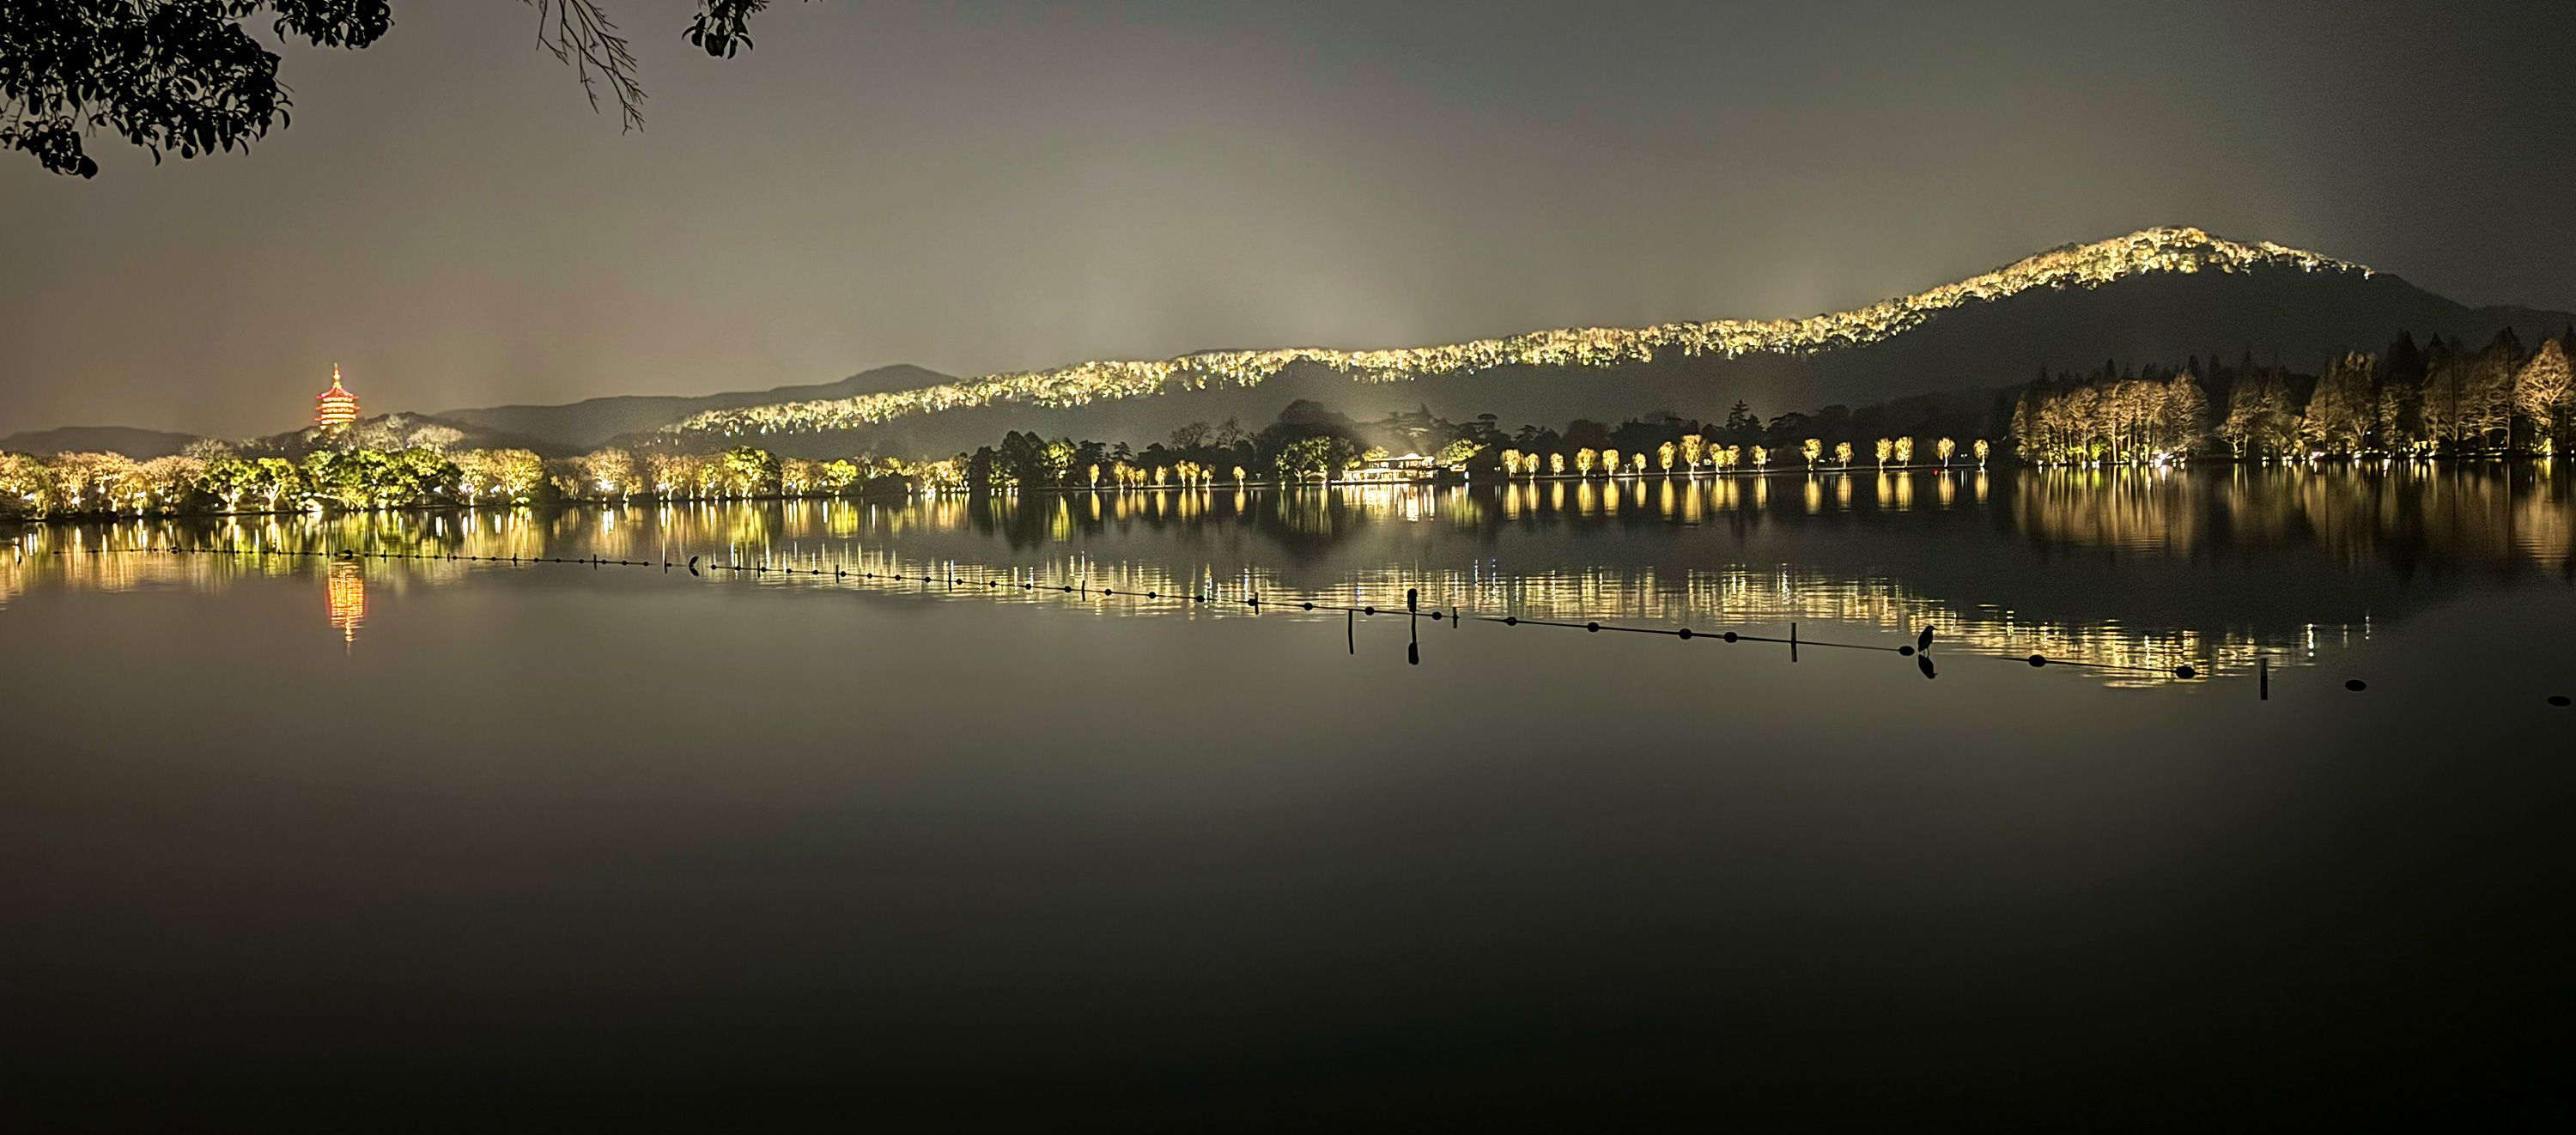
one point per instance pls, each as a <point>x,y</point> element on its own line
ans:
<point>412,840</point>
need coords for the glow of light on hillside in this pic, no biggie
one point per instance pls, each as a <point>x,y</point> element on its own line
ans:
<point>2184,250</point>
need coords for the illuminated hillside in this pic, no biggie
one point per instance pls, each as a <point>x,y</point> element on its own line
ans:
<point>2159,250</point>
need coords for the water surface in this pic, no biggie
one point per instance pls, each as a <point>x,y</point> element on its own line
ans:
<point>308,831</point>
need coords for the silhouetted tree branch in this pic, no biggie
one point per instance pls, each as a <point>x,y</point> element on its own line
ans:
<point>185,77</point>
<point>580,35</point>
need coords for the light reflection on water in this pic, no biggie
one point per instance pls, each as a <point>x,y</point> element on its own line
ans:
<point>2313,555</point>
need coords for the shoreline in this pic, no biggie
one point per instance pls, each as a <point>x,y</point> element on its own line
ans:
<point>2433,460</point>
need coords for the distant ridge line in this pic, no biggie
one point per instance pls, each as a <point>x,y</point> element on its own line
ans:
<point>2155,250</point>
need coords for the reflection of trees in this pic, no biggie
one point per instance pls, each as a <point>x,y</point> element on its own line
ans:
<point>2403,515</point>
<point>2117,507</point>
<point>1630,541</point>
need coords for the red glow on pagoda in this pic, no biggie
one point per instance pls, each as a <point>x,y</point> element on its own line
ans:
<point>336,406</point>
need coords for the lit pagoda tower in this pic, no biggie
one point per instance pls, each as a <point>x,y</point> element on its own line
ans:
<point>336,406</point>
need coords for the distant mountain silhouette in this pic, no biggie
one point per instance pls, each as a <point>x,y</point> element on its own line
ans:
<point>141,445</point>
<point>2160,295</point>
<point>401,430</point>
<point>588,424</point>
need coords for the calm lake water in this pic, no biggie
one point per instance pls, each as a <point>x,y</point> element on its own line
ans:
<point>304,833</point>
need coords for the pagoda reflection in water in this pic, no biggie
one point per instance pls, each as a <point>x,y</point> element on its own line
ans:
<point>346,592</point>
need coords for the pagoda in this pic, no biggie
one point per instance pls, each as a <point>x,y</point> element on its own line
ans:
<point>336,406</point>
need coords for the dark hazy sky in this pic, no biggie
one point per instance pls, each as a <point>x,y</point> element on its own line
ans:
<point>974,186</point>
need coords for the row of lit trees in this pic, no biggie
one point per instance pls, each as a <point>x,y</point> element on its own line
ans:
<point>1693,452</point>
<point>2403,402</point>
<point>2120,419</point>
<point>1308,442</point>
<point>212,477</point>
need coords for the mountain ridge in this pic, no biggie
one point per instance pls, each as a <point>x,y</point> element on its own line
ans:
<point>140,444</point>
<point>2174,249</point>
<point>595,421</point>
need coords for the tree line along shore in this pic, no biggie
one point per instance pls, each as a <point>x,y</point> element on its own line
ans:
<point>2438,400</point>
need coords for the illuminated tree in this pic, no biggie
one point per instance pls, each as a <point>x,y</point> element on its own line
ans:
<point>609,472</point>
<point>1322,456</point>
<point>2343,410</point>
<point>1843,454</point>
<point>227,479</point>
<point>164,483</point>
<point>1761,458</point>
<point>1610,462</point>
<point>277,481</point>
<point>1694,450</point>
<point>1664,455</point>
<point>797,476</point>
<point>1944,448</point>
<point>1730,457</point>
<point>2260,421</point>
<point>25,485</point>
<point>1051,462</point>
<point>336,478</point>
<point>1511,462</point>
<point>1637,464</point>
<point>838,475</point>
<point>1883,448</point>
<point>1556,464</point>
<point>1813,449</point>
<point>2486,412</point>
<point>1584,459</point>
<point>1238,471</point>
<point>2183,419</point>
<point>435,438</point>
<point>1981,449</point>
<point>2544,392</point>
<point>749,471</point>
<point>94,482</point>
<point>1904,451</point>
<point>671,476</point>
<point>416,476</point>
<point>944,475</point>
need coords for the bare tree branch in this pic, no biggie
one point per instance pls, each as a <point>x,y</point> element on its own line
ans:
<point>580,34</point>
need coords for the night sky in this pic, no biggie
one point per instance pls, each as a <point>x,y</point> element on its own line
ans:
<point>974,186</point>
